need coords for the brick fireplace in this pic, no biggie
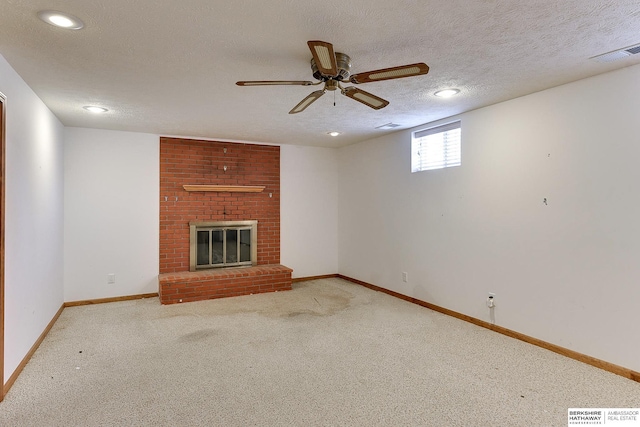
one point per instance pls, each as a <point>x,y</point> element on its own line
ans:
<point>207,181</point>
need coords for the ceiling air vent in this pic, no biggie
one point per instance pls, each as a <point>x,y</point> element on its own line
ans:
<point>633,50</point>
<point>617,54</point>
<point>388,126</point>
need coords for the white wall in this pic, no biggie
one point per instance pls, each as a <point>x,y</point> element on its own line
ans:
<point>112,217</point>
<point>33,215</point>
<point>309,210</point>
<point>111,201</point>
<point>566,272</point>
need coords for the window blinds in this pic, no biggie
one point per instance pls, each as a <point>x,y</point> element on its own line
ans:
<point>436,148</point>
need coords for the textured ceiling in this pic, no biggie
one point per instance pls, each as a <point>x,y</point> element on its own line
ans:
<point>169,67</point>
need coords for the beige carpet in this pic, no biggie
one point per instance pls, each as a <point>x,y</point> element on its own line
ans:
<point>328,353</point>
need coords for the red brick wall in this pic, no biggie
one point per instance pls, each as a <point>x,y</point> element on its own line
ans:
<point>185,161</point>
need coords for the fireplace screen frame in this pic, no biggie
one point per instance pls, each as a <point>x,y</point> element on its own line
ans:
<point>223,226</point>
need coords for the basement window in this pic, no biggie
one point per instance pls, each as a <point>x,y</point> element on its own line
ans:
<point>436,148</point>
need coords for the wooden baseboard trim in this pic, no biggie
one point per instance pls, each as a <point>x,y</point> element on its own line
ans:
<point>306,279</point>
<point>33,349</point>
<point>618,370</point>
<point>105,300</point>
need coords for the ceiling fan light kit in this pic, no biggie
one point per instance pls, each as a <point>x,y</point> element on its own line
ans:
<point>333,68</point>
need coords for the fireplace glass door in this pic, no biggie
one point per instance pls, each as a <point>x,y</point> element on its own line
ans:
<point>223,245</point>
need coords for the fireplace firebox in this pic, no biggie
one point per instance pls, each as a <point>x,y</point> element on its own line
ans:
<point>222,244</point>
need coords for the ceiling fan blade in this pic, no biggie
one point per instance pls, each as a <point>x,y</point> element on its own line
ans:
<point>390,73</point>
<point>306,102</point>
<point>368,99</point>
<point>274,83</point>
<point>324,57</point>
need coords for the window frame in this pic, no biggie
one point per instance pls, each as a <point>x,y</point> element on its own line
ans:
<point>448,160</point>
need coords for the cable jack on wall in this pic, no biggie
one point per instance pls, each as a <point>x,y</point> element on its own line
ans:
<point>491,303</point>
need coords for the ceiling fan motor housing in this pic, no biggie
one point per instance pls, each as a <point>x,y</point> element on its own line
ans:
<point>343,63</point>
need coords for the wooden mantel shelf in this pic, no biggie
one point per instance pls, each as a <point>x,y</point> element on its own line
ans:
<point>225,188</point>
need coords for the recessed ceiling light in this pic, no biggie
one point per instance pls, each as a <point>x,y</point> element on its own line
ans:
<point>333,133</point>
<point>61,19</point>
<point>95,109</point>
<point>447,93</point>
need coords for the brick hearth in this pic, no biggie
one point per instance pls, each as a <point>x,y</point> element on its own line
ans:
<point>226,282</point>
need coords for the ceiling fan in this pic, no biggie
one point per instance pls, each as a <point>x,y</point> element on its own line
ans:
<point>334,68</point>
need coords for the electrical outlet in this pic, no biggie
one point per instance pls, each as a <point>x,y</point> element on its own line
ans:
<point>111,278</point>
<point>405,277</point>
